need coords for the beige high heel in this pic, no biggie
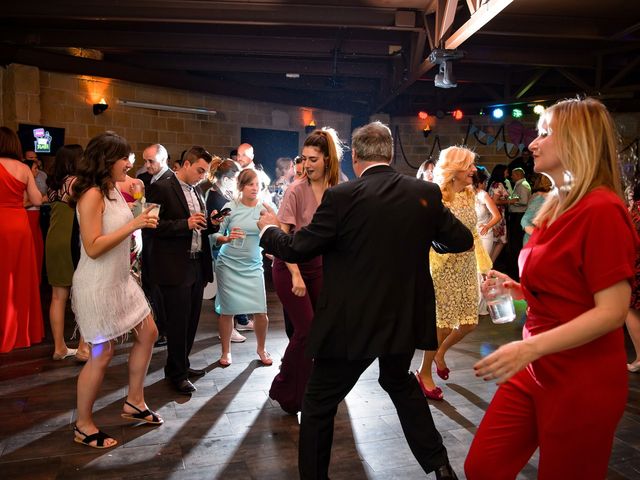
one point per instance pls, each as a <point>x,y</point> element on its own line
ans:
<point>70,353</point>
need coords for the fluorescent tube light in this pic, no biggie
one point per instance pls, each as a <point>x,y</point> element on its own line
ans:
<point>167,108</point>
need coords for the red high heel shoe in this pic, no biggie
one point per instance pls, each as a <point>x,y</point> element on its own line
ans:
<point>444,373</point>
<point>434,394</point>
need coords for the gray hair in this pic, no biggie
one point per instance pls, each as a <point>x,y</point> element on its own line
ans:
<point>372,142</point>
<point>161,153</point>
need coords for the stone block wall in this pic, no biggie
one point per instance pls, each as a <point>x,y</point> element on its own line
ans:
<point>30,95</point>
<point>64,100</point>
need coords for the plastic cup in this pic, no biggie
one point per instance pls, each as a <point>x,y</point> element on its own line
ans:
<point>155,211</point>
<point>499,301</point>
<point>238,242</point>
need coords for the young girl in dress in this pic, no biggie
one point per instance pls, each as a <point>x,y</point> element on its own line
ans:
<point>107,301</point>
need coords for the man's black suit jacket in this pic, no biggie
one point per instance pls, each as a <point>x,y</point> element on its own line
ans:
<point>147,234</point>
<point>172,239</point>
<point>146,177</point>
<point>374,233</point>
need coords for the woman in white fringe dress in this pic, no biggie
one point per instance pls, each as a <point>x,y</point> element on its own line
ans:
<point>106,300</point>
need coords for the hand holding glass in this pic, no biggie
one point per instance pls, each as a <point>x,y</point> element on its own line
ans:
<point>154,209</point>
<point>499,300</point>
<point>147,219</point>
<point>237,237</point>
<point>198,220</point>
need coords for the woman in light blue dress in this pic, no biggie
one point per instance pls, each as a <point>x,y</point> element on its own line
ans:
<point>239,269</point>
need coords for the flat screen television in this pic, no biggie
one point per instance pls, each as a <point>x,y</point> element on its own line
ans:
<point>41,139</point>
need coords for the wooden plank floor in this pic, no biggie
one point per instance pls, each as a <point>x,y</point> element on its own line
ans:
<point>230,429</point>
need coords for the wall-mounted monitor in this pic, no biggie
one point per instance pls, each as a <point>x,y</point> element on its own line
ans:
<point>41,139</point>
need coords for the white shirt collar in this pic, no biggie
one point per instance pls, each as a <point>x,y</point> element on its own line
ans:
<point>157,176</point>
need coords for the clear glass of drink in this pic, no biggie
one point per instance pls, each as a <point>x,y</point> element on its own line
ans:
<point>499,301</point>
<point>198,212</point>
<point>239,241</point>
<point>155,211</point>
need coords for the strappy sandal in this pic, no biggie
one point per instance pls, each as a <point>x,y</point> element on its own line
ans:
<point>141,415</point>
<point>99,437</point>
<point>265,358</point>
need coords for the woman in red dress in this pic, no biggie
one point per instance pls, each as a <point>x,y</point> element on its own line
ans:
<point>563,388</point>
<point>21,322</point>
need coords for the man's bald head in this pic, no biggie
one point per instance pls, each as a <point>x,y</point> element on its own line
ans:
<point>245,155</point>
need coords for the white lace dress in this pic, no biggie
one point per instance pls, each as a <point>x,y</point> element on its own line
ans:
<point>105,298</point>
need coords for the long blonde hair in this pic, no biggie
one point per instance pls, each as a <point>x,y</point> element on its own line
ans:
<point>452,160</point>
<point>587,146</point>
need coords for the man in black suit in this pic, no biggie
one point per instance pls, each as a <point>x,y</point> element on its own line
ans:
<point>181,264</point>
<point>155,161</point>
<point>377,299</point>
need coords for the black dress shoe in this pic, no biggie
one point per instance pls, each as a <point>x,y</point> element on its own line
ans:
<point>196,372</point>
<point>161,342</point>
<point>184,387</point>
<point>445,472</point>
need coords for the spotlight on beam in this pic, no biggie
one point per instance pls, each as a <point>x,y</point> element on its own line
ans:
<point>497,113</point>
<point>444,58</point>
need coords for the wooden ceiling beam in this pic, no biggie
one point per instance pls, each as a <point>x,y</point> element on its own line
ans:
<point>622,73</point>
<point>236,63</point>
<point>531,82</point>
<point>586,88</point>
<point>479,19</point>
<point>445,15</point>
<point>541,57</point>
<point>212,13</point>
<point>110,38</point>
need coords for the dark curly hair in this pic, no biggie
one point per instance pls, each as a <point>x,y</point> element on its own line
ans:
<point>66,163</point>
<point>94,170</point>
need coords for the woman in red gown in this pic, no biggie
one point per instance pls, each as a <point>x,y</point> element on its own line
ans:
<point>563,388</point>
<point>21,322</point>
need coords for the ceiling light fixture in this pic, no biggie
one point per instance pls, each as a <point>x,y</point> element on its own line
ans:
<point>444,58</point>
<point>292,75</point>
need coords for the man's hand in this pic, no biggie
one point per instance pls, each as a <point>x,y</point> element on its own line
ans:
<point>267,217</point>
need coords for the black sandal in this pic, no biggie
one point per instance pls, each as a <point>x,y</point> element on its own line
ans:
<point>98,437</point>
<point>142,415</point>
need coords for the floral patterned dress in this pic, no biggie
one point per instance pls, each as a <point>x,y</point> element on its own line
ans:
<point>454,275</point>
<point>498,191</point>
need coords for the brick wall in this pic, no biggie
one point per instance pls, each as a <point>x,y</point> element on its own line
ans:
<point>64,100</point>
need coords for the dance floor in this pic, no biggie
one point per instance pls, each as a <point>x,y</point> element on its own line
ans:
<point>230,429</point>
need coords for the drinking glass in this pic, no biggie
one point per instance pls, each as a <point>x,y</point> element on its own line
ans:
<point>194,212</point>
<point>238,242</point>
<point>155,211</point>
<point>499,301</point>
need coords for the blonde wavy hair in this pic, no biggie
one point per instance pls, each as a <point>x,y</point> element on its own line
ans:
<point>451,161</point>
<point>587,144</point>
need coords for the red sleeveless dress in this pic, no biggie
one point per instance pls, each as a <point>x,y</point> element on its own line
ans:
<point>21,323</point>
